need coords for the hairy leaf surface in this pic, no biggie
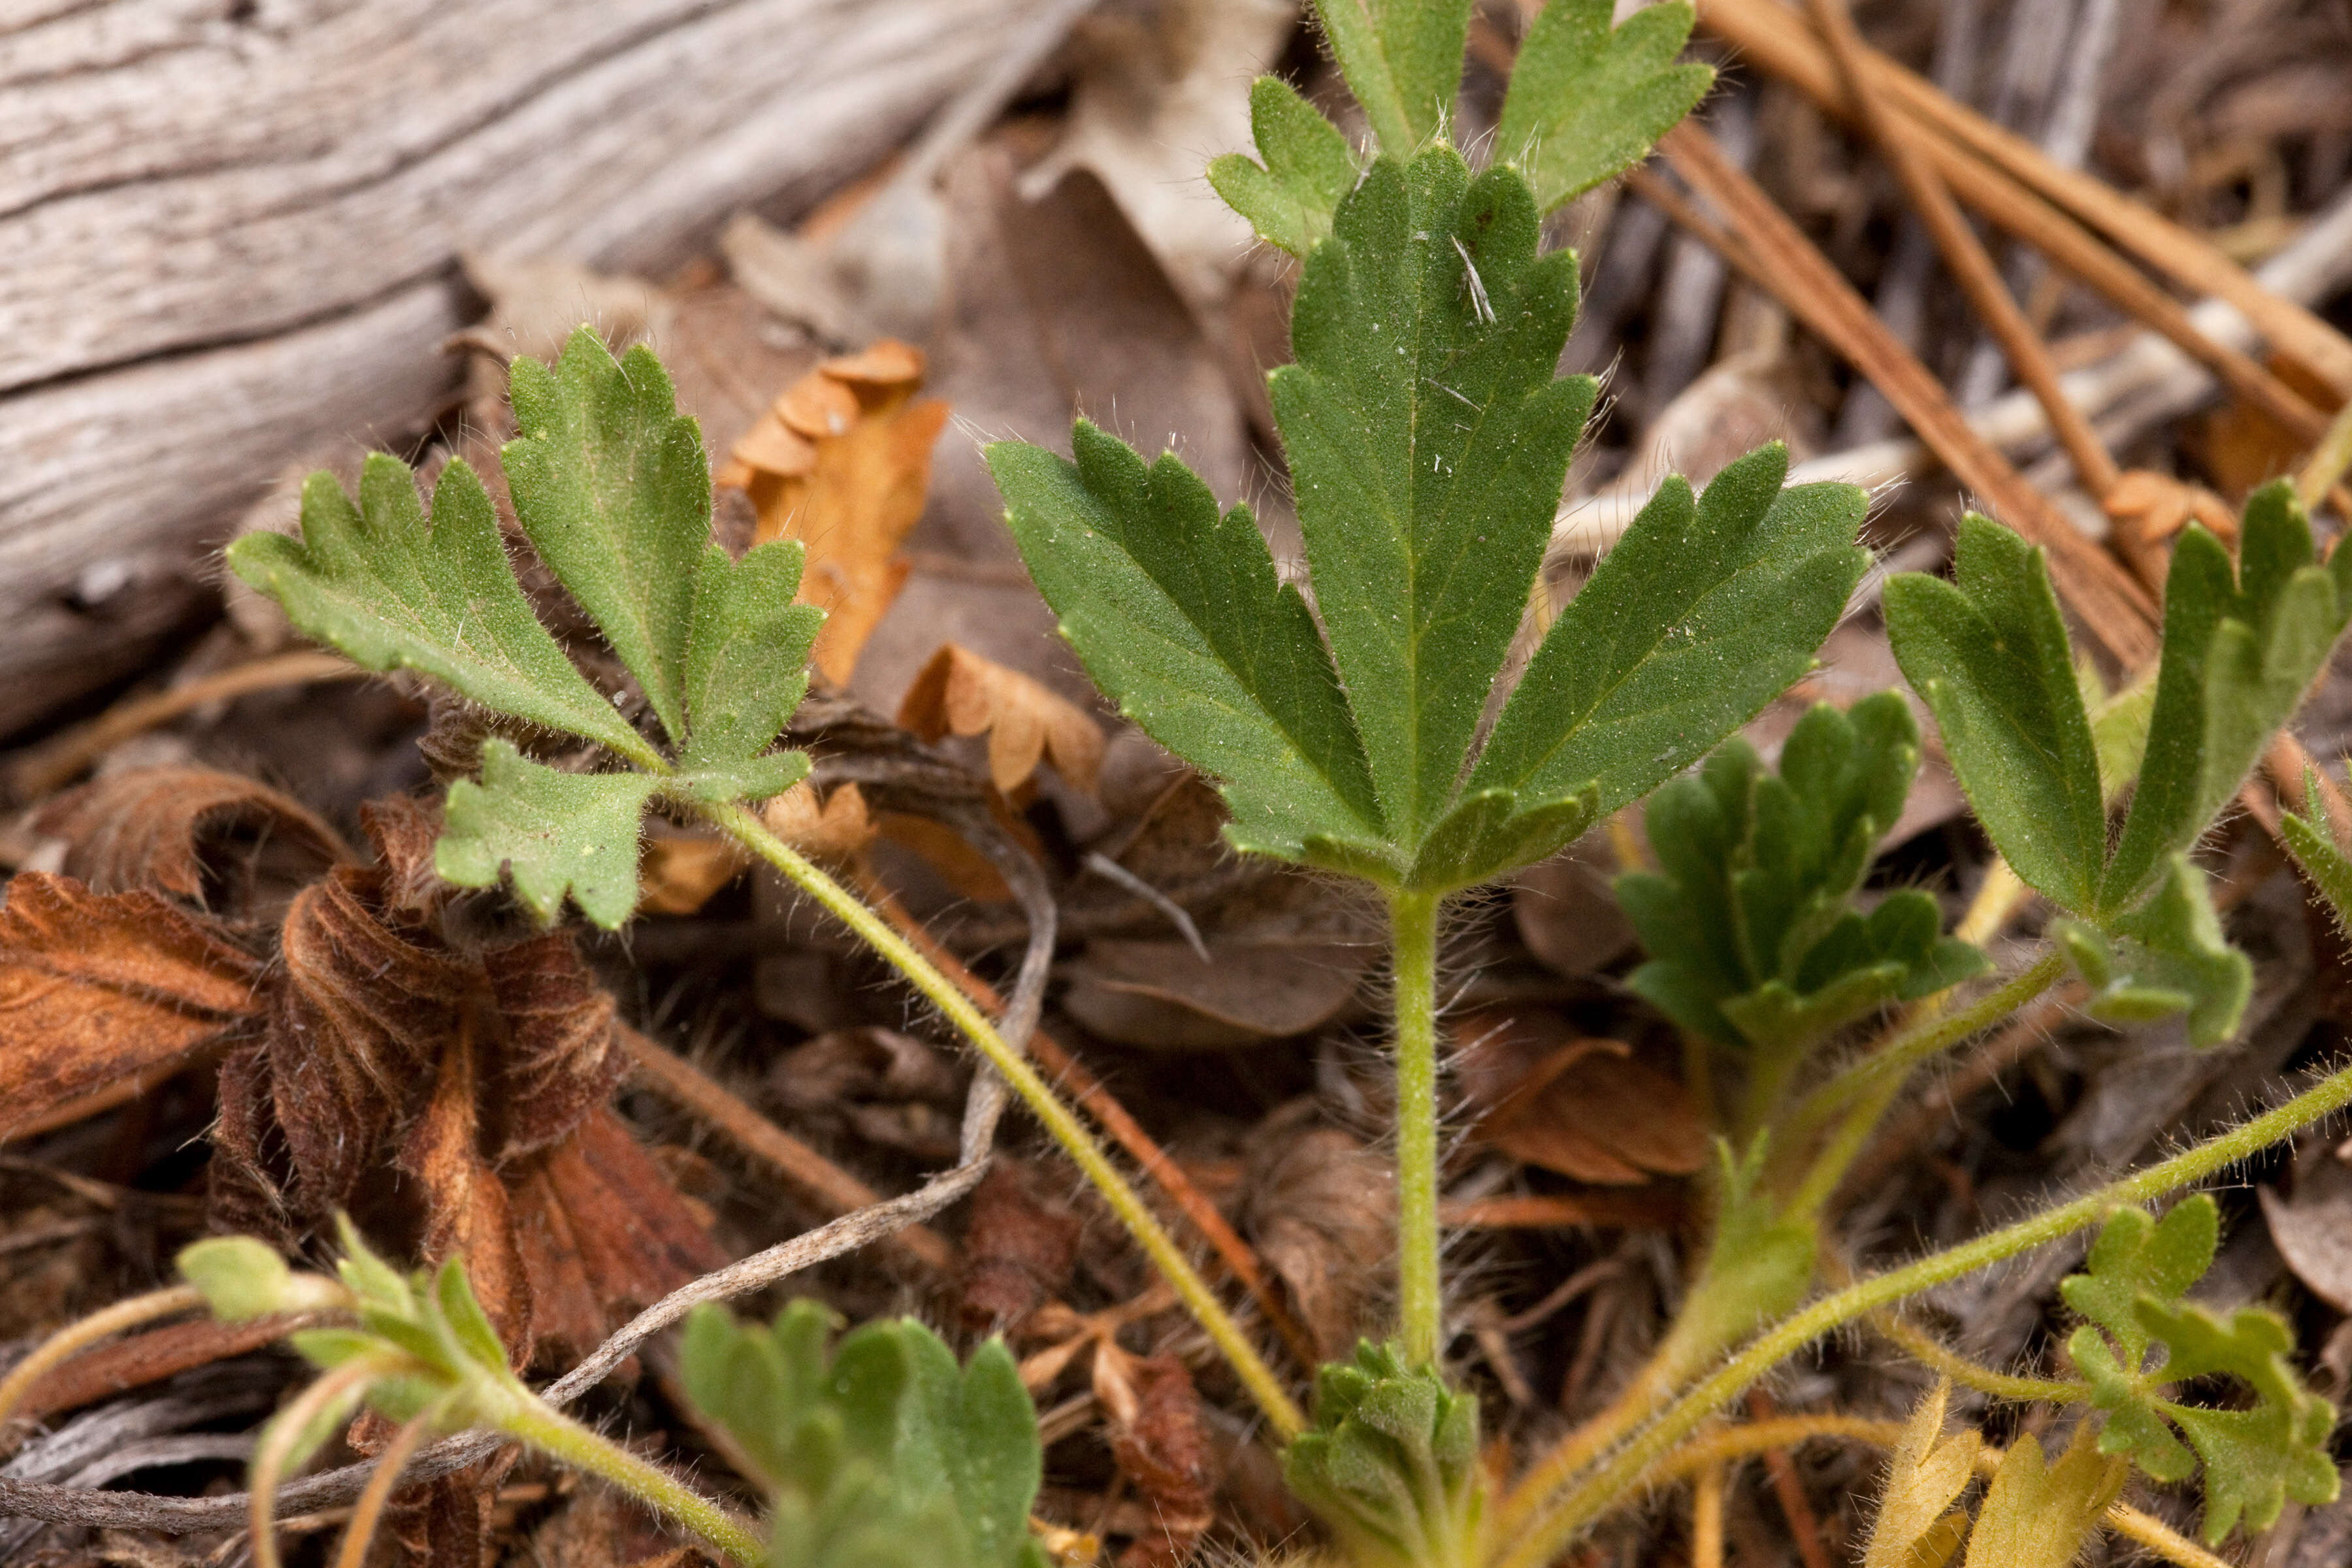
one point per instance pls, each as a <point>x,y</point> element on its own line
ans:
<point>1587,100</point>
<point>558,832</point>
<point>1308,167</point>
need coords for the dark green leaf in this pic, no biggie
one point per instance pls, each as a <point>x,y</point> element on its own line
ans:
<point>1701,614</point>
<point>1403,59</point>
<point>1309,167</point>
<point>374,582</point>
<point>1586,101</point>
<point>558,832</point>
<point>1988,656</point>
<point>2167,956</point>
<point>746,655</point>
<point>1180,617</point>
<point>1427,441</point>
<point>610,484</point>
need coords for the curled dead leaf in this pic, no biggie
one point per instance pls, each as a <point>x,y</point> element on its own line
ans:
<point>96,987</point>
<point>836,829</point>
<point>1582,1107</point>
<point>1018,1249</point>
<point>842,462</point>
<point>678,873</point>
<point>1317,1203</point>
<point>1157,1440</point>
<point>960,693</point>
<point>218,841</point>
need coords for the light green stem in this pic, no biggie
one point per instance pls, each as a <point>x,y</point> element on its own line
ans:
<point>742,824</point>
<point>1412,918</point>
<point>1870,1086</point>
<point>572,1444</point>
<point>1558,1521</point>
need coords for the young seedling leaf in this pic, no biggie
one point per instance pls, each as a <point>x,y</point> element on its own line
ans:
<point>1427,441</point>
<point>2311,841</point>
<point>558,832</point>
<point>1749,921</point>
<point>1391,1463</point>
<point>390,592</point>
<point>610,483</point>
<point>2240,649</point>
<point>1587,100</point>
<point>2040,1515</point>
<point>2254,1459</point>
<point>1703,614</point>
<point>1180,617</point>
<point>1926,1472</point>
<point>1308,167</point>
<point>2165,957</point>
<point>1988,654</point>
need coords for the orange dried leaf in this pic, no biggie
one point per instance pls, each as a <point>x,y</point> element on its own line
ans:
<point>961,693</point>
<point>678,876</point>
<point>842,462</point>
<point>164,829</point>
<point>837,830</point>
<point>95,987</point>
<point>1582,1107</point>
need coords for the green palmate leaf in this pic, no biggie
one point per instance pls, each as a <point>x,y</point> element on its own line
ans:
<point>2240,648</point>
<point>1988,654</point>
<point>747,655</point>
<point>1391,1462</point>
<point>393,593</point>
<point>1753,937</point>
<point>1309,167</point>
<point>879,1454</point>
<point>558,832</point>
<point>2254,1459</point>
<point>1703,613</point>
<point>1586,100</point>
<point>610,483</point>
<point>1427,441</point>
<point>1181,618</point>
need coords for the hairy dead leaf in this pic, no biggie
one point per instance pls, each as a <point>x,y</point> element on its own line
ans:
<point>1018,1249</point>
<point>1157,1439</point>
<point>466,1208</point>
<point>219,841</point>
<point>842,462</point>
<point>563,1057</point>
<point>960,693</point>
<point>1318,1202</point>
<point>1915,1525</point>
<point>1160,996</point>
<point>95,987</point>
<point>1582,1107</point>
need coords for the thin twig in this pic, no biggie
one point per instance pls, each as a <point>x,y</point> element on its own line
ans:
<point>1788,1491</point>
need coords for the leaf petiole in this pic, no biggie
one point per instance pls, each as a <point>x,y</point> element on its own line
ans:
<point>1412,919</point>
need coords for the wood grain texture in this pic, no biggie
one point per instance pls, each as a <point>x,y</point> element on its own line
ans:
<point>232,232</point>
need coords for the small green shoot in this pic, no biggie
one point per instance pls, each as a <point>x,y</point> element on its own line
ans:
<point>1391,1463</point>
<point>2255,1458</point>
<point>880,1452</point>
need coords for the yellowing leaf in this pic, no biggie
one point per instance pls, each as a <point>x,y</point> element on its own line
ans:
<point>960,693</point>
<point>1928,1471</point>
<point>842,462</point>
<point>2040,1515</point>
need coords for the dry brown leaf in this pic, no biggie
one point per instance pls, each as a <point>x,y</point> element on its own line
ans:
<point>960,693</point>
<point>835,830</point>
<point>218,841</point>
<point>1159,996</point>
<point>1577,1106</point>
<point>1318,1202</point>
<point>1157,1439</point>
<point>2149,508</point>
<point>563,1057</point>
<point>842,462</point>
<point>467,1213</point>
<point>96,987</point>
<point>2312,1228</point>
<point>1565,913</point>
<point>1018,1249</point>
<point>680,873</point>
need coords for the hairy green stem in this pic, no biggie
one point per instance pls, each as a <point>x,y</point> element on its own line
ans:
<point>1412,919</point>
<point>1561,1517</point>
<point>742,825</point>
<point>1870,1085</point>
<point>562,1440</point>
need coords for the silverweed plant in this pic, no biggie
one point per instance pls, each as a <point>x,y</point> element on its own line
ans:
<point>1365,718</point>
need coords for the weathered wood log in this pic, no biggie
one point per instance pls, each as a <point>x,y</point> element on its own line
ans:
<point>231,232</point>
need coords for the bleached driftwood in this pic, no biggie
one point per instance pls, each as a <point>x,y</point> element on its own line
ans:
<point>229,232</point>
